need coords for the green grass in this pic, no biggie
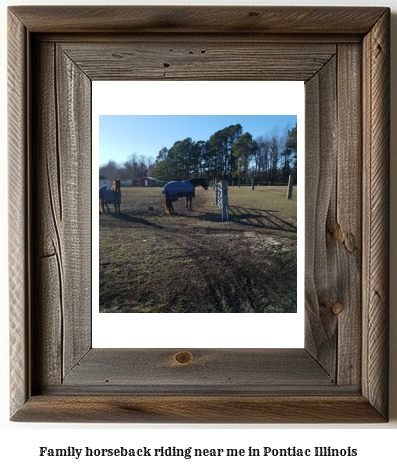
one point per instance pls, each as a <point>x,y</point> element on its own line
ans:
<point>173,265</point>
<point>265,198</point>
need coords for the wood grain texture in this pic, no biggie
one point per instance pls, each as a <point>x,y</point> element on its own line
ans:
<point>341,376</point>
<point>199,409</point>
<point>19,225</point>
<point>347,225</point>
<point>47,297</point>
<point>321,277</point>
<point>231,370</point>
<point>167,59</point>
<point>376,91</point>
<point>63,222</point>
<point>74,134</point>
<point>244,37</point>
<point>193,19</point>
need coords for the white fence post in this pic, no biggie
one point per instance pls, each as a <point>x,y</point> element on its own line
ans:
<point>222,198</point>
<point>225,201</point>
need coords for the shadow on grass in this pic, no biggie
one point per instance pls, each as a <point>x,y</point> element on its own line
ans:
<point>213,217</point>
<point>133,219</point>
<point>265,218</point>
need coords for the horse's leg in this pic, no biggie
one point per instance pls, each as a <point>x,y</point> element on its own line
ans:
<point>167,204</point>
<point>103,206</point>
<point>190,203</point>
<point>170,205</point>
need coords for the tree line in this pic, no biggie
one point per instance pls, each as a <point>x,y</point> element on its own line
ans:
<point>135,167</point>
<point>229,154</point>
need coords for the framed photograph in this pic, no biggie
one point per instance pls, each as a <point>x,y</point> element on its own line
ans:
<point>233,271</point>
<point>342,56</point>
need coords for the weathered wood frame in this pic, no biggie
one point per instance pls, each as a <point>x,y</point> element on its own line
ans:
<point>343,56</point>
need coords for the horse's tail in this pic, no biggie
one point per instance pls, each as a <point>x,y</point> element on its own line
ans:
<point>167,204</point>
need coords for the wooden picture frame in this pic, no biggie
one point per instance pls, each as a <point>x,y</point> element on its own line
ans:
<point>342,54</point>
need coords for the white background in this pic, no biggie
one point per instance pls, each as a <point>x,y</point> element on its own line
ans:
<point>20,442</point>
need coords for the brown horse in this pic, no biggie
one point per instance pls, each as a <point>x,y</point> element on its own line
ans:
<point>111,195</point>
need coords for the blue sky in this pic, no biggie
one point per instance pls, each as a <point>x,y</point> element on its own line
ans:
<point>123,135</point>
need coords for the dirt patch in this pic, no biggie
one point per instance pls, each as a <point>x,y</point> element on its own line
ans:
<point>195,262</point>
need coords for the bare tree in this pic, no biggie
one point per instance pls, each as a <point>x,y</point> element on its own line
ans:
<point>111,170</point>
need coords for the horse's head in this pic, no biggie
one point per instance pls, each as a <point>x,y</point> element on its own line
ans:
<point>199,181</point>
<point>116,185</point>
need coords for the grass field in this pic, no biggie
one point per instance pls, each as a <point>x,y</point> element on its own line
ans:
<point>193,261</point>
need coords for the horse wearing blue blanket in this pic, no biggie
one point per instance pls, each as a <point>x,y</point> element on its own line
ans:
<point>184,189</point>
<point>111,195</point>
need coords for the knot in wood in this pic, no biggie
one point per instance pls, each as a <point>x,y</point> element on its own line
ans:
<point>183,358</point>
<point>338,235</point>
<point>337,308</point>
